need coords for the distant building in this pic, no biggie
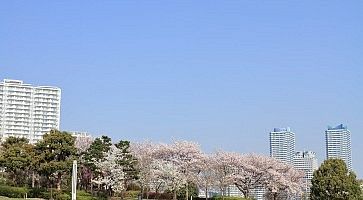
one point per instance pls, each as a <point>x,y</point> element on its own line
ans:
<point>28,111</point>
<point>282,145</point>
<point>338,144</point>
<point>258,193</point>
<point>232,191</point>
<point>80,134</point>
<point>307,162</point>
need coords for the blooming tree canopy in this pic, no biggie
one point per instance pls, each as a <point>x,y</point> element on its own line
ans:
<point>111,174</point>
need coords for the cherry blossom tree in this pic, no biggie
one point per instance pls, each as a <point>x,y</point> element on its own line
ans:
<point>111,174</point>
<point>206,177</point>
<point>223,165</point>
<point>170,175</point>
<point>173,166</point>
<point>284,182</point>
<point>251,172</point>
<point>82,144</point>
<point>186,156</point>
<point>144,152</point>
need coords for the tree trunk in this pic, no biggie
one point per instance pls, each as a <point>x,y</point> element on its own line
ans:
<point>91,183</point>
<point>59,181</point>
<point>14,179</point>
<point>174,194</point>
<point>33,179</point>
<point>142,191</point>
<point>206,192</point>
<point>245,194</point>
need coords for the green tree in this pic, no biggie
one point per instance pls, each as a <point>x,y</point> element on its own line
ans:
<point>96,152</point>
<point>127,161</point>
<point>97,149</point>
<point>16,157</point>
<point>55,154</point>
<point>333,181</point>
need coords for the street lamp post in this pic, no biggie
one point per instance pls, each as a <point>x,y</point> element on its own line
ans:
<point>74,180</point>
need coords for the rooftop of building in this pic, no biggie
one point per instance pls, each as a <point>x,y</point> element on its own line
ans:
<point>339,127</point>
<point>80,133</point>
<point>14,82</point>
<point>287,129</point>
<point>303,154</point>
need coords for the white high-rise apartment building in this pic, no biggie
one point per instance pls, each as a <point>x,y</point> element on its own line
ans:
<point>28,111</point>
<point>338,144</point>
<point>282,145</point>
<point>306,161</point>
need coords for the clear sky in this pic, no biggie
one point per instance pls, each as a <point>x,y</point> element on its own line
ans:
<point>222,73</point>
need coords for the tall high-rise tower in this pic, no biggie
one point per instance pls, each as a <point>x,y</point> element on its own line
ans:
<point>338,144</point>
<point>28,111</point>
<point>282,145</point>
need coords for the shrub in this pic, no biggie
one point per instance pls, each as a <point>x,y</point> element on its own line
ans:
<point>227,198</point>
<point>131,194</point>
<point>3,181</point>
<point>83,195</point>
<point>48,193</point>
<point>154,195</point>
<point>36,192</point>
<point>133,187</point>
<point>13,192</point>
<point>62,196</point>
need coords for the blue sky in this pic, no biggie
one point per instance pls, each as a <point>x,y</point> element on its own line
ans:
<point>222,73</point>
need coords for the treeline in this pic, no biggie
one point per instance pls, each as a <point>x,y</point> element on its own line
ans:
<point>176,170</point>
<point>107,169</point>
<point>48,163</point>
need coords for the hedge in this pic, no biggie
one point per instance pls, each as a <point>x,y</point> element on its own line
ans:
<point>19,192</point>
<point>13,192</point>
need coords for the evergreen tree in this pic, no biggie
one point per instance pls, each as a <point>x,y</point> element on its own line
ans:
<point>16,157</point>
<point>95,153</point>
<point>333,181</point>
<point>97,149</point>
<point>127,161</point>
<point>55,155</point>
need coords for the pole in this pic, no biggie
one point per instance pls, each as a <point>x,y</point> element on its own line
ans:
<point>74,180</point>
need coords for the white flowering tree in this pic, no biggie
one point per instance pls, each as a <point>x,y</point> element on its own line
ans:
<point>172,166</point>
<point>252,172</point>
<point>82,144</point>
<point>207,176</point>
<point>284,182</point>
<point>169,175</point>
<point>186,156</point>
<point>111,174</point>
<point>144,152</point>
<point>256,171</point>
<point>223,166</point>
